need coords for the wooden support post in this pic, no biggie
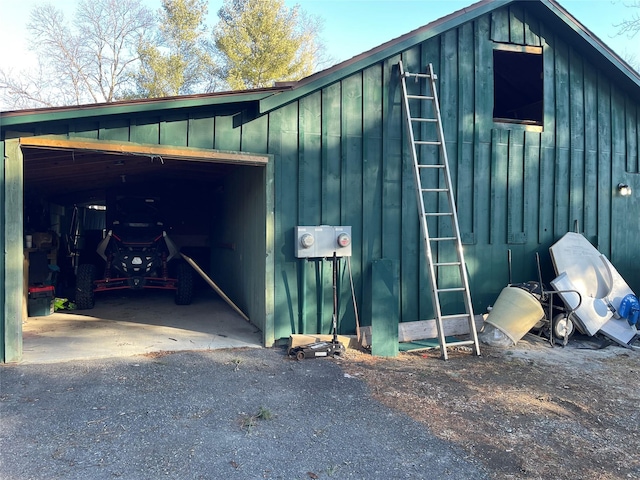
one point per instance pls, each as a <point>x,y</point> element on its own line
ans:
<point>13,252</point>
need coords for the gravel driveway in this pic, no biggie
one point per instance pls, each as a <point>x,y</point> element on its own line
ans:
<point>243,413</point>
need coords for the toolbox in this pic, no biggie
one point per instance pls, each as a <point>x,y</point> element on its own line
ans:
<point>41,301</point>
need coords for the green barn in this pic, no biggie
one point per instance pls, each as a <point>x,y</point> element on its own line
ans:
<point>541,120</point>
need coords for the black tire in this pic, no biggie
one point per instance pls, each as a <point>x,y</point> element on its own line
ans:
<point>84,287</point>
<point>184,277</point>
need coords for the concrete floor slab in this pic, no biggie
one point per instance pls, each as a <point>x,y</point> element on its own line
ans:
<point>128,323</point>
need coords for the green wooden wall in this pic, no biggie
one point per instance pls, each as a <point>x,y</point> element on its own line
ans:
<point>340,157</point>
<point>240,244</point>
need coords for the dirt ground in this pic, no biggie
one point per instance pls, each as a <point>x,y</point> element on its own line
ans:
<point>530,411</point>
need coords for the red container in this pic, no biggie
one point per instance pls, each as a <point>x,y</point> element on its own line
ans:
<point>41,292</point>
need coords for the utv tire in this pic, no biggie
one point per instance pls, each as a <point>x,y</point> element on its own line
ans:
<point>184,292</point>
<point>84,287</point>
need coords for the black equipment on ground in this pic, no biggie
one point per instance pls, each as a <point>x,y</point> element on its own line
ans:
<point>324,349</point>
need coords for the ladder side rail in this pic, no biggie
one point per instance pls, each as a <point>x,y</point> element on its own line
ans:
<point>430,96</point>
<point>412,143</point>
<point>449,184</point>
<point>421,209</point>
<point>449,187</point>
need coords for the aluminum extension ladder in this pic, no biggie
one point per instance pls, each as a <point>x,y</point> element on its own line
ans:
<point>434,190</point>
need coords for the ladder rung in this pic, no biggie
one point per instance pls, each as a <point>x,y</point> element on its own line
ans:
<point>459,316</point>
<point>426,142</point>
<point>458,344</point>
<point>431,120</point>
<point>435,190</point>
<point>438,214</point>
<point>430,166</point>
<point>442,239</point>
<point>418,75</point>
<point>452,289</point>
<point>420,97</point>
<point>447,264</point>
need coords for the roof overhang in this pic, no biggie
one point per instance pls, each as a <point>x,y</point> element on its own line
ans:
<point>141,106</point>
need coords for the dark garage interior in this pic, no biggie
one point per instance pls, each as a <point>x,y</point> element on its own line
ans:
<point>69,198</point>
<point>62,184</point>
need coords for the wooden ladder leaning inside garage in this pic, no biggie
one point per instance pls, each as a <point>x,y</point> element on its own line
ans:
<point>439,224</point>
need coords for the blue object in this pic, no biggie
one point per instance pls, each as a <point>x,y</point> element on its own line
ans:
<point>630,309</point>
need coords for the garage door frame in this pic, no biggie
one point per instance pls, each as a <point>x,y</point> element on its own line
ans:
<point>12,230</point>
<point>13,263</point>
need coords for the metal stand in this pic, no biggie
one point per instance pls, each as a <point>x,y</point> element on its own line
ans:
<point>324,349</point>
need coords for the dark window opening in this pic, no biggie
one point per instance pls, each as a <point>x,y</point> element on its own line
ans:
<point>517,87</point>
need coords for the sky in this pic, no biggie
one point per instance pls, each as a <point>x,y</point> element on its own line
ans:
<point>351,27</point>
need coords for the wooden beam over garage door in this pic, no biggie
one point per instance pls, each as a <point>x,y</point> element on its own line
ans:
<point>162,151</point>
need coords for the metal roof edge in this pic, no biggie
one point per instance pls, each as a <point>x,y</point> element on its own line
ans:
<point>381,52</point>
<point>23,117</point>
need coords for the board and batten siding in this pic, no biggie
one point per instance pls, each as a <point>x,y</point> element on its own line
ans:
<point>342,158</point>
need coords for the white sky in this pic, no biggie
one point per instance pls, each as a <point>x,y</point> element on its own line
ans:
<point>350,26</point>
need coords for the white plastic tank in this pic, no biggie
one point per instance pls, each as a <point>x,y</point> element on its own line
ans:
<point>515,312</point>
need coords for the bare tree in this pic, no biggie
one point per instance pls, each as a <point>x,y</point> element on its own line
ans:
<point>89,62</point>
<point>630,27</point>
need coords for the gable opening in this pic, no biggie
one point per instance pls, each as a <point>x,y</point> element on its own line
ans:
<point>518,87</point>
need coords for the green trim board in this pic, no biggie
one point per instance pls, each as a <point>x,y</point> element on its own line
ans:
<point>268,333</point>
<point>144,106</point>
<point>385,308</point>
<point>3,242</point>
<point>13,252</point>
